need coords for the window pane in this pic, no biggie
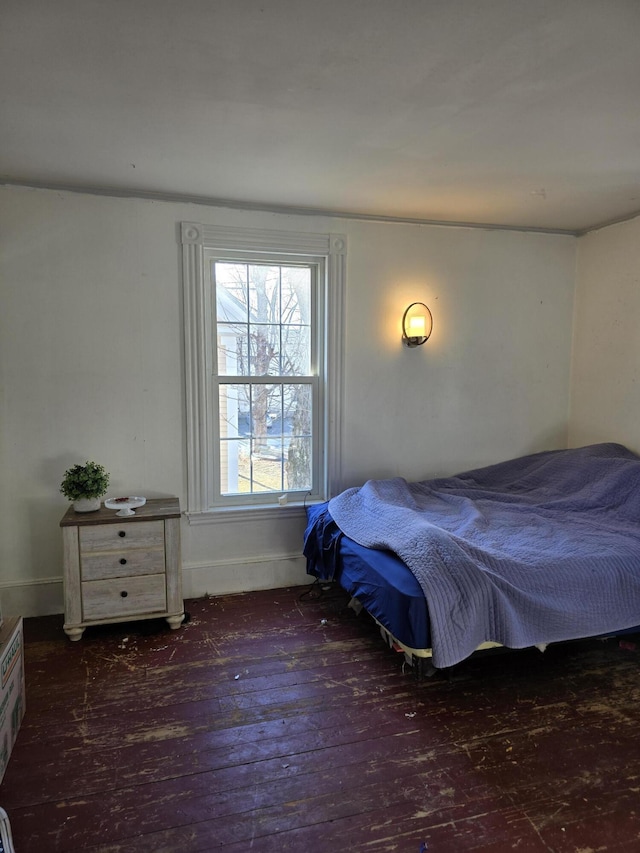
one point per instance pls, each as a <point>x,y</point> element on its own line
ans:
<point>296,295</point>
<point>297,440</point>
<point>264,293</point>
<point>231,292</point>
<point>233,346</point>
<point>266,406</point>
<point>298,468</point>
<point>297,408</point>
<point>264,297</point>
<point>264,342</point>
<point>266,460</point>
<point>235,475</point>
<point>296,351</point>
<point>234,411</point>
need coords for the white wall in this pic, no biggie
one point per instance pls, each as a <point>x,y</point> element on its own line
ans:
<point>493,380</point>
<point>605,398</point>
<point>91,366</point>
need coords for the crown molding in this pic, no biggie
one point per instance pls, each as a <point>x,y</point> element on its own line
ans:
<point>285,210</point>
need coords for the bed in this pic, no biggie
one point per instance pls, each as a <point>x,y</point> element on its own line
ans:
<point>535,550</point>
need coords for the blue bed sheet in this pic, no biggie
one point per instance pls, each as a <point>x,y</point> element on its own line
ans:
<point>378,579</point>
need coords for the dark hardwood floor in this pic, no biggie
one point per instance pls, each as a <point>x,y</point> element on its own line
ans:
<point>261,726</point>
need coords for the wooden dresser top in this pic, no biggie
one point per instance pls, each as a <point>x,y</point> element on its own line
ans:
<point>154,508</point>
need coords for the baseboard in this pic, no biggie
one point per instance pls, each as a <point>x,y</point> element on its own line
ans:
<point>38,597</point>
<point>44,596</point>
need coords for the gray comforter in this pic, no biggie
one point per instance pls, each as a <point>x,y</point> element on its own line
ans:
<point>529,551</point>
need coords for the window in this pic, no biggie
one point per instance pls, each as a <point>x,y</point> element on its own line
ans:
<point>263,315</point>
<point>265,375</point>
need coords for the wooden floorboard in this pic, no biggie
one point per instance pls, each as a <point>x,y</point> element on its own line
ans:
<point>279,721</point>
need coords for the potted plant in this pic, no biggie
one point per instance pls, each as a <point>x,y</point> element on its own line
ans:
<point>84,485</point>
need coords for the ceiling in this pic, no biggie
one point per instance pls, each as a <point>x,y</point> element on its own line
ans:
<point>522,113</point>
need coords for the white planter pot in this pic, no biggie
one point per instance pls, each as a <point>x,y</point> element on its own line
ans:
<point>86,504</point>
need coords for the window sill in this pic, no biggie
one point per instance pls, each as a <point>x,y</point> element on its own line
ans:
<point>226,515</point>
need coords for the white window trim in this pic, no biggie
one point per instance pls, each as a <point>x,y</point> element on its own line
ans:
<point>196,238</point>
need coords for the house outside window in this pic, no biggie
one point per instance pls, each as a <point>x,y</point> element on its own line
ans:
<point>263,346</point>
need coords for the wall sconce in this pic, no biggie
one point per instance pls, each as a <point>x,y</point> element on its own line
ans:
<point>417,324</point>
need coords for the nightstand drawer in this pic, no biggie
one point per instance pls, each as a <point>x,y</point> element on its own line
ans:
<point>116,564</point>
<point>118,597</point>
<point>118,537</point>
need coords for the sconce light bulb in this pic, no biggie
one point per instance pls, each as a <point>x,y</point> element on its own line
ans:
<point>417,325</point>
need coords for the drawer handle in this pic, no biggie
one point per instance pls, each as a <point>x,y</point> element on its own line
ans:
<point>124,593</point>
<point>123,562</point>
<point>122,533</point>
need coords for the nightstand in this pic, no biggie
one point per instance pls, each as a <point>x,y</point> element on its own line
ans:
<point>119,569</point>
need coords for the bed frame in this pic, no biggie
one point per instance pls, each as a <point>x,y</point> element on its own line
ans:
<point>418,659</point>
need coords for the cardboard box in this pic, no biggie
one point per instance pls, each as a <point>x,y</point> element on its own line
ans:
<point>12,690</point>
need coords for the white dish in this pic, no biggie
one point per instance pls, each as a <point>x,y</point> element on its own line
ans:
<point>125,505</point>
